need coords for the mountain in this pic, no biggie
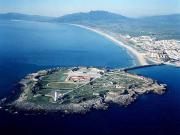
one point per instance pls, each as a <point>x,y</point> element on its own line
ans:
<point>18,16</point>
<point>104,17</point>
<point>163,26</point>
<point>93,16</point>
<point>162,19</point>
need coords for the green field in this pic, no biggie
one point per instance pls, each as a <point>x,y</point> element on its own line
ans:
<point>58,76</point>
<point>61,85</point>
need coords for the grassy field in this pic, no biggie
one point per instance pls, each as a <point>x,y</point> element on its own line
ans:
<point>59,76</point>
<point>76,92</point>
<point>61,85</point>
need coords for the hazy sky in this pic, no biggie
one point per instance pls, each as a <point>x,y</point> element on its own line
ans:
<point>61,7</point>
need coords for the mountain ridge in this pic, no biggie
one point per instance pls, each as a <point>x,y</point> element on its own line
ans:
<point>94,15</point>
<point>91,16</point>
<point>21,16</point>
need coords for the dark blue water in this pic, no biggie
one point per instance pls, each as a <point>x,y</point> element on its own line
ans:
<point>29,46</point>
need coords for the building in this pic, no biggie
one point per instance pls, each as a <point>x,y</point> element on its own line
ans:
<point>55,96</point>
<point>80,78</point>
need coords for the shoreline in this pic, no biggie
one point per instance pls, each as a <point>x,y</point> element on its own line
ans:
<point>139,57</point>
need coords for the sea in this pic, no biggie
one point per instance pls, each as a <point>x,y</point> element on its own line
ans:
<point>26,47</point>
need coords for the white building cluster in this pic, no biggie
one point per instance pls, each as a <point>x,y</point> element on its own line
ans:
<point>158,50</point>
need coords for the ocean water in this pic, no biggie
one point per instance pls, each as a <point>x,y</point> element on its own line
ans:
<point>27,47</point>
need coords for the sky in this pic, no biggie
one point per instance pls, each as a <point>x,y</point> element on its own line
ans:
<point>131,8</point>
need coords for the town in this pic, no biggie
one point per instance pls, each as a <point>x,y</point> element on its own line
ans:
<point>157,51</point>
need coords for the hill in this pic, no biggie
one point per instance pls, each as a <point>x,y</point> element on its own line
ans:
<point>162,26</point>
<point>19,16</point>
<point>93,16</point>
<point>163,19</point>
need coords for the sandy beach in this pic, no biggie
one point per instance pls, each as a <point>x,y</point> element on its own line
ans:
<point>139,56</point>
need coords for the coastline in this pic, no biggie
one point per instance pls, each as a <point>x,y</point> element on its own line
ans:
<point>140,58</point>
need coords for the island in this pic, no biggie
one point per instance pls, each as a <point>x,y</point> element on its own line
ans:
<point>81,89</point>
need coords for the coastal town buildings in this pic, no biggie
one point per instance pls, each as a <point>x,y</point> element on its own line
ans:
<point>159,51</point>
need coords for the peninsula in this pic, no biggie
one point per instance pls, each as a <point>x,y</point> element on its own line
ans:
<point>80,89</point>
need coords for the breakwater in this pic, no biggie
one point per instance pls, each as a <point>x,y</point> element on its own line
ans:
<point>138,67</point>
